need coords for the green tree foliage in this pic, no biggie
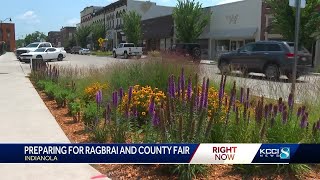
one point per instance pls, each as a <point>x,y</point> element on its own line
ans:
<point>34,37</point>
<point>20,42</point>
<point>284,20</point>
<point>98,31</point>
<point>71,42</point>
<point>132,26</point>
<point>82,34</point>
<point>190,20</point>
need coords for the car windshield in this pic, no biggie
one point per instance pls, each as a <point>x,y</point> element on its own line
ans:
<point>40,50</point>
<point>33,45</point>
<point>291,45</point>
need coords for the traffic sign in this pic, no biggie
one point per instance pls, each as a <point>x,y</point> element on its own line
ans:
<point>292,3</point>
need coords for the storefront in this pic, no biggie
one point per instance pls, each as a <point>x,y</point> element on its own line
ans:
<point>233,25</point>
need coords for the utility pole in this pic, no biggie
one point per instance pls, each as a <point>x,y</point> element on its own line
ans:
<point>296,46</point>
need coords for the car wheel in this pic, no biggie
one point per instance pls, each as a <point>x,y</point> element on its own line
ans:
<point>272,71</point>
<point>125,55</point>
<point>114,55</point>
<point>196,53</point>
<point>40,57</point>
<point>224,67</point>
<point>60,57</point>
<point>290,77</point>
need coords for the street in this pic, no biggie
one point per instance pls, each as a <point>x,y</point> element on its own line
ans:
<point>308,87</point>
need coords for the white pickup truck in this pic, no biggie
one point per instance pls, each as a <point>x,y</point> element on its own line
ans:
<point>32,47</point>
<point>126,50</point>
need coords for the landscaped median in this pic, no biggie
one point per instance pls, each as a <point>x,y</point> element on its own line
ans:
<point>101,53</point>
<point>156,102</point>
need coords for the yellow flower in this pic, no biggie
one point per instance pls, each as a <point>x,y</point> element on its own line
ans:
<point>143,113</point>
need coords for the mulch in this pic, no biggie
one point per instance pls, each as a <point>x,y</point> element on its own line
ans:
<point>75,132</point>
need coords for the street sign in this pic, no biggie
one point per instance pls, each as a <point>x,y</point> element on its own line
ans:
<point>292,3</point>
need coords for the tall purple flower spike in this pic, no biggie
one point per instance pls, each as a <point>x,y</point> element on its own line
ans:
<point>99,97</point>
<point>173,87</point>
<point>299,112</point>
<point>179,88</point>
<point>151,107</point>
<point>182,80</point>
<point>130,94</point>
<point>284,117</point>
<point>189,90</point>
<point>241,95</point>
<point>304,121</point>
<point>155,119</point>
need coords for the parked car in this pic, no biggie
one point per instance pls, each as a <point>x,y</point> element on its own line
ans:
<point>192,49</point>
<point>67,49</point>
<point>126,50</point>
<point>46,54</point>
<point>75,49</point>
<point>273,58</point>
<point>32,47</point>
<point>84,51</point>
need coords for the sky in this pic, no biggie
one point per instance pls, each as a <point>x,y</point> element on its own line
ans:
<point>44,16</point>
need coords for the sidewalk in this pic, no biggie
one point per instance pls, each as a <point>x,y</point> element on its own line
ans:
<point>24,118</point>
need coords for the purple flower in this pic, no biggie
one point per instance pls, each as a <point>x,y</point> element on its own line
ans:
<point>120,94</point>
<point>189,90</point>
<point>151,106</point>
<point>241,95</point>
<point>130,94</point>
<point>182,80</point>
<point>304,121</point>
<point>284,117</point>
<point>116,98</point>
<point>221,90</point>
<point>303,110</point>
<point>275,110</point>
<point>290,101</point>
<point>99,97</point>
<point>247,98</point>
<point>155,119</point>
<point>280,101</point>
<point>270,109</point>
<point>179,88</point>
<point>205,103</point>
<point>318,125</point>
<point>299,112</point>
<point>173,86</point>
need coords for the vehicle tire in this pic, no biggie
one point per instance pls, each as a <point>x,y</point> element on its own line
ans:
<point>60,57</point>
<point>39,57</point>
<point>125,55</point>
<point>272,71</point>
<point>290,77</point>
<point>196,53</point>
<point>225,67</point>
<point>114,54</point>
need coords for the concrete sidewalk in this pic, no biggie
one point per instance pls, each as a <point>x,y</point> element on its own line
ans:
<point>24,118</point>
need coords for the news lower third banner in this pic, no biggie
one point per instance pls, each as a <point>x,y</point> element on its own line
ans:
<point>160,153</point>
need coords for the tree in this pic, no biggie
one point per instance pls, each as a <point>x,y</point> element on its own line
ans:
<point>20,42</point>
<point>34,37</point>
<point>132,26</point>
<point>97,31</point>
<point>71,42</point>
<point>82,34</point>
<point>190,20</point>
<point>284,20</point>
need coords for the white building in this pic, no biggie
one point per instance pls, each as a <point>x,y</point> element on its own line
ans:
<point>231,26</point>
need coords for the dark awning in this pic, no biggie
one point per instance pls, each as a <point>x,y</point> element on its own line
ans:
<point>161,27</point>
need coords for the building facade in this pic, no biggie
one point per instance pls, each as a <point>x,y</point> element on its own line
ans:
<point>54,38</point>
<point>158,33</point>
<point>7,36</point>
<point>86,15</point>
<point>66,34</point>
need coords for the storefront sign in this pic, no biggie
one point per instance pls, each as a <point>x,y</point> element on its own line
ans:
<point>232,19</point>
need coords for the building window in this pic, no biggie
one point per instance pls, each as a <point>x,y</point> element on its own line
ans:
<point>223,45</point>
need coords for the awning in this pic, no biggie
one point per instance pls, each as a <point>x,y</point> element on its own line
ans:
<point>243,33</point>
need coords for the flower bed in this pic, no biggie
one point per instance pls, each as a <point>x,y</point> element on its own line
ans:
<point>185,110</point>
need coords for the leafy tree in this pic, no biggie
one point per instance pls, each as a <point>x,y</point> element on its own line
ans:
<point>20,42</point>
<point>71,42</point>
<point>97,31</point>
<point>132,26</point>
<point>190,20</point>
<point>284,20</point>
<point>34,37</point>
<point>82,34</point>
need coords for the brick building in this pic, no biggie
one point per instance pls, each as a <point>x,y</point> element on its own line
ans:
<point>7,35</point>
<point>66,34</point>
<point>54,38</point>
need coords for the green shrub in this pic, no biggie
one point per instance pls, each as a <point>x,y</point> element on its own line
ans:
<point>91,115</point>
<point>60,96</point>
<point>99,134</point>
<point>41,84</point>
<point>50,89</point>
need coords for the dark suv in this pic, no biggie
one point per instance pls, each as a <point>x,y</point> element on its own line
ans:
<point>192,49</point>
<point>273,58</point>
<point>75,50</point>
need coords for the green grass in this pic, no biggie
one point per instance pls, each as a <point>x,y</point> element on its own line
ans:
<point>101,53</point>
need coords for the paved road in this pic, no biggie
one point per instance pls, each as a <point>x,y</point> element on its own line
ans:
<point>308,87</point>
<point>25,118</point>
